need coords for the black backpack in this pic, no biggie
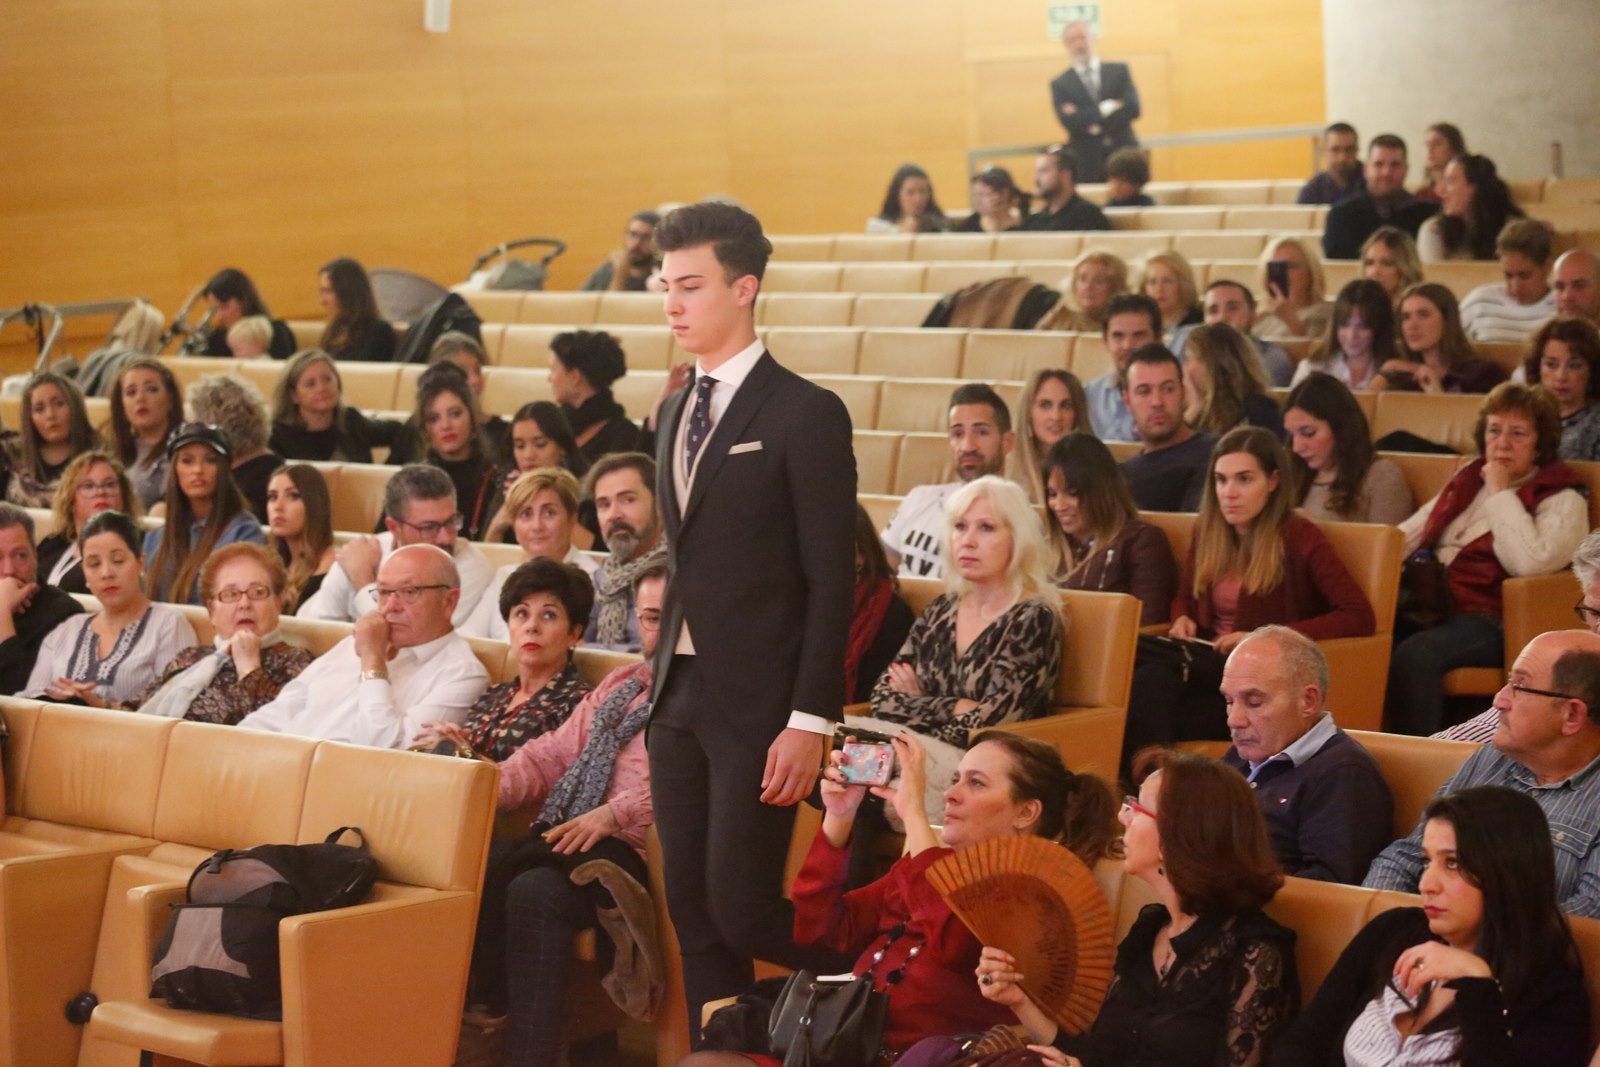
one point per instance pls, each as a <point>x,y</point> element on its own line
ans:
<point>450,312</point>
<point>220,950</point>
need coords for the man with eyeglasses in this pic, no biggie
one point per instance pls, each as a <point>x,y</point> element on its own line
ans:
<point>1547,745</point>
<point>419,507</point>
<point>629,267</point>
<point>402,667</point>
<point>1586,567</point>
<point>29,609</point>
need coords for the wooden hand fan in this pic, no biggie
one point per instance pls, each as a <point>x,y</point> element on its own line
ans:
<point>1036,900</point>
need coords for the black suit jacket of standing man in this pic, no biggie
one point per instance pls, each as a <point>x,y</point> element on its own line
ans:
<point>762,571</point>
<point>1115,130</point>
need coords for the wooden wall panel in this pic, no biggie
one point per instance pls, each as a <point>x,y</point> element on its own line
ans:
<point>148,142</point>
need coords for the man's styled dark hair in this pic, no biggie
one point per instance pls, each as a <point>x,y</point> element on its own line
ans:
<point>616,461</point>
<point>1138,303</point>
<point>1387,140</point>
<point>1249,297</point>
<point>732,232</point>
<point>1340,127</point>
<point>653,218</point>
<point>415,481</point>
<point>1065,160</point>
<point>981,393</point>
<point>1154,354</point>
<point>12,517</point>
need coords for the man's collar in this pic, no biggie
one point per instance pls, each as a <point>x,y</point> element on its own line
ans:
<point>1305,746</point>
<point>426,650</point>
<point>1577,779</point>
<point>736,368</point>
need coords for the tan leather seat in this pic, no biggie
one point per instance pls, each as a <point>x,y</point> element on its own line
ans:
<point>801,278</point>
<point>815,349</point>
<point>525,345</point>
<point>1023,244</point>
<point>371,386</point>
<point>924,459</point>
<point>806,309</point>
<point>880,508</point>
<point>577,308</point>
<point>917,405</point>
<point>359,503</point>
<point>647,345</point>
<point>637,392</point>
<point>892,309</point>
<point>494,305</point>
<point>505,389</point>
<point>881,277</point>
<point>1218,244</point>
<point>1013,355</point>
<point>1272,219</point>
<point>1415,768</point>
<point>862,395</point>
<point>1425,474</point>
<point>1447,418</point>
<point>948,276</point>
<point>1090,357</point>
<point>641,309</point>
<point>948,247</point>
<point>802,248</point>
<point>1461,276</point>
<point>872,247</point>
<point>912,354</point>
<point>876,452</point>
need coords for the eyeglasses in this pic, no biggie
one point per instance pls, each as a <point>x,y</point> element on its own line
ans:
<point>1517,688</point>
<point>99,488</point>
<point>255,591</point>
<point>1586,614</point>
<point>408,594</point>
<point>1132,804</point>
<point>431,529</point>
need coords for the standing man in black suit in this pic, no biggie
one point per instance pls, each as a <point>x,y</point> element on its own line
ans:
<point>757,487</point>
<point>1095,102</point>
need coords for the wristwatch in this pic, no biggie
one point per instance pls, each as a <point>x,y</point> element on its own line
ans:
<point>374,676</point>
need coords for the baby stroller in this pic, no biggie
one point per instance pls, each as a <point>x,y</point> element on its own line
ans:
<point>514,272</point>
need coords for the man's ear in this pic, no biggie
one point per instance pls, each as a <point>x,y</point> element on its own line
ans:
<point>745,289</point>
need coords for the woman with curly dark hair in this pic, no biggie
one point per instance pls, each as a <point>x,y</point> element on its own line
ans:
<point>1476,205</point>
<point>1564,357</point>
<point>583,365</point>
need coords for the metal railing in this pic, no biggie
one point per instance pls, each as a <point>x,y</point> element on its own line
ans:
<point>1170,140</point>
<point>47,320</point>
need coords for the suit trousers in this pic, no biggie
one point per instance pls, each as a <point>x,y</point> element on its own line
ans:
<point>723,849</point>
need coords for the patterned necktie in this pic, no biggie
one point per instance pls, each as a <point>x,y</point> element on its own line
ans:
<point>699,420</point>
<point>1091,83</point>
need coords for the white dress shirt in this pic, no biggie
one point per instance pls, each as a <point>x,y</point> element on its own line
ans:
<point>486,620</point>
<point>329,700</point>
<point>341,601</point>
<point>730,375</point>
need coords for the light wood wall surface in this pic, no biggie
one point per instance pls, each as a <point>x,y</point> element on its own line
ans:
<point>148,142</point>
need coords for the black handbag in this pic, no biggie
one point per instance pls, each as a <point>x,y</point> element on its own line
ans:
<point>1425,599</point>
<point>818,1023</point>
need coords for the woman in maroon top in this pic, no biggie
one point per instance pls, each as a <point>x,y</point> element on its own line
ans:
<point>1007,784</point>
<point>1253,561</point>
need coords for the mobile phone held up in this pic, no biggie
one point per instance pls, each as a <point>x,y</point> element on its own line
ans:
<point>1278,276</point>
<point>866,763</point>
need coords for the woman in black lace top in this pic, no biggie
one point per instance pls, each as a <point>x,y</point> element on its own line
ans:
<point>583,365</point>
<point>1203,978</point>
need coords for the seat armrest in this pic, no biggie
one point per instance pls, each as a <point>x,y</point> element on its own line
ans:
<point>381,982</point>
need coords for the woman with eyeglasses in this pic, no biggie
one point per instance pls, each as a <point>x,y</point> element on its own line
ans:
<point>205,505</point>
<point>242,587</point>
<point>92,483</point>
<point>108,658</point>
<point>1484,973</point>
<point>1516,510</point>
<point>1203,977</point>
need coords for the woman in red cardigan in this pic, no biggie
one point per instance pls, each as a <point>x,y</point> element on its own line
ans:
<point>1253,561</point>
<point>906,937</point>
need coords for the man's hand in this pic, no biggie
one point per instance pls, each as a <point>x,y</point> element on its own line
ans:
<point>372,641</point>
<point>584,832</point>
<point>15,595</point>
<point>360,559</point>
<point>793,762</point>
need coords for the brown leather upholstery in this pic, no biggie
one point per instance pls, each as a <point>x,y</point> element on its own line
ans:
<point>876,452</point>
<point>1415,768</point>
<point>358,505</point>
<point>924,459</point>
<point>1447,418</point>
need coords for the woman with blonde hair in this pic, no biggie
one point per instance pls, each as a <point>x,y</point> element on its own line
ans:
<point>1253,561</point>
<point>1225,383</point>
<point>1168,279</point>
<point>988,650</point>
<point>93,482</point>
<point>1097,276</point>
<point>1099,540</point>
<point>310,420</point>
<point>1390,258</point>
<point>1052,406</point>
<point>1293,302</point>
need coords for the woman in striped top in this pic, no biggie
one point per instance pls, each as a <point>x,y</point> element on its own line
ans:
<point>1485,972</point>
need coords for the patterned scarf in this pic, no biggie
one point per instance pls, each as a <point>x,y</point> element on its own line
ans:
<point>172,700</point>
<point>583,787</point>
<point>615,590</point>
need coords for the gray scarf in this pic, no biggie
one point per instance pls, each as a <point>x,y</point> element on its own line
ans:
<point>172,700</point>
<point>615,591</point>
<point>583,788</point>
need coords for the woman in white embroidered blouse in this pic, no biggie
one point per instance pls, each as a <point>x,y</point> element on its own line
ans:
<point>109,658</point>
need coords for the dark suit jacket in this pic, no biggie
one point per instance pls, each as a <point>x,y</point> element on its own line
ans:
<point>1116,131</point>
<point>1352,220</point>
<point>763,555</point>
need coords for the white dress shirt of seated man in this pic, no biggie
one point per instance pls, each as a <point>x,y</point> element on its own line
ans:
<point>419,509</point>
<point>364,690</point>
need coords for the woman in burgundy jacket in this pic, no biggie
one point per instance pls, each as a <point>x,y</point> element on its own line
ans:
<point>1253,561</point>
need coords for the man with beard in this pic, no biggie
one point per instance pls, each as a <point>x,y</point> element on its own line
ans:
<point>1169,473</point>
<point>629,267</point>
<point>980,439</point>
<point>1055,190</point>
<point>625,505</point>
<point>1341,168</point>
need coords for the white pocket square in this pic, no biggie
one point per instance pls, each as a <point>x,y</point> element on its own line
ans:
<point>748,446</point>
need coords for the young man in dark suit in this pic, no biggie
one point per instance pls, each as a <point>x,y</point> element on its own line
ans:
<point>756,484</point>
<point>1095,103</point>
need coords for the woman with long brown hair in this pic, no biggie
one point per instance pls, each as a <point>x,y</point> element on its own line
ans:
<point>355,330</point>
<point>300,529</point>
<point>146,406</point>
<point>1435,355</point>
<point>1252,561</point>
<point>1052,406</point>
<point>205,511</point>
